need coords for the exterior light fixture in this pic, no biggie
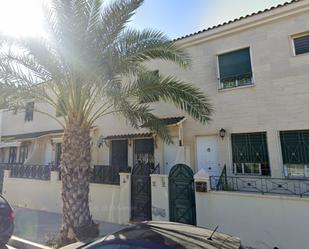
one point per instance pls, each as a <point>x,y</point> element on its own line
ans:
<point>222,133</point>
<point>101,141</point>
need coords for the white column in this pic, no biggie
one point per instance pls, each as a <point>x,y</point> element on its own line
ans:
<point>125,198</point>
<point>54,176</point>
<point>159,197</point>
<point>201,177</point>
<point>6,175</point>
<point>274,153</point>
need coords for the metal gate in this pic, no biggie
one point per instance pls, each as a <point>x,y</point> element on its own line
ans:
<point>182,196</point>
<point>141,192</point>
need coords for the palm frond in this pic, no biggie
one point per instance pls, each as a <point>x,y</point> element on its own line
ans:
<point>140,46</point>
<point>115,16</point>
<point>169,89</point>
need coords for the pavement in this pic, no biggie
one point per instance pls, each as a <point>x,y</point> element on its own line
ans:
<point>42,227</point>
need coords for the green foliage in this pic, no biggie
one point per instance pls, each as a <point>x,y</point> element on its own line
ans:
<point>91,65</point>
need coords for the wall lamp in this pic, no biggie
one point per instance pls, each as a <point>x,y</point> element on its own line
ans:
<point>222,133</point>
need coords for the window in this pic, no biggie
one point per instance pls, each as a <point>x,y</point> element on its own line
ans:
<point>250,154</point>
<point>301,44</point>
<point>29,111</point>
<point>60,110</point>
<point>58,152</point>
<point>12,155</point>
<point>147,99</point>
<point>235,69</point>
<point>2,155</point>
<point>23,153</point>
<point>295,152</point>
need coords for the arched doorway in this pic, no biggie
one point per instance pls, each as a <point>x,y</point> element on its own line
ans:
<point>181,195</point>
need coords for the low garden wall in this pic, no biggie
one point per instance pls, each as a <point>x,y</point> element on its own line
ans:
<point>110,203</point>
<point>261,221</point>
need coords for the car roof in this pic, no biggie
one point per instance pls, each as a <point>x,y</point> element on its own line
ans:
<point>173,235</point>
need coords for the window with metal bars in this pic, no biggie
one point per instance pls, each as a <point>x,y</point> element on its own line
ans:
<point>12,155</point>
<point>250,153</point>
<point>23,153</point>
<point>295,152</point>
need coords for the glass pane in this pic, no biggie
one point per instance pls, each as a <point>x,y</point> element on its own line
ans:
<point>297,170</point>
<point>245,80</point>
<point>238,168</point>
<point>251,168</point>
<point>234,64</point>
<point>301,45</point>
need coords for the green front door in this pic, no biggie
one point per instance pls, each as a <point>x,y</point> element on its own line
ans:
<point>182,196</point>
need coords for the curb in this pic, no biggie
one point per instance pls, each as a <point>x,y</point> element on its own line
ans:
<point>25,244</point>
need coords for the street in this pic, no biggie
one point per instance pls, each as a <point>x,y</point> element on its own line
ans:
<point>43,227</point>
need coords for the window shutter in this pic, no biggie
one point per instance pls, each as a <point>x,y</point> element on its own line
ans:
<point>301,45</point>
<point>235,64</point>
<point>295,147</point>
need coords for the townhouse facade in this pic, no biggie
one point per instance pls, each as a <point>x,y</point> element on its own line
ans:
<point>255,70</point>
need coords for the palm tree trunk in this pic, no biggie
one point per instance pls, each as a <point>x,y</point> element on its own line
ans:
<point>75,169</point>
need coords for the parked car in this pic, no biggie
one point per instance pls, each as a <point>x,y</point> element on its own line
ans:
<point>6,221</point>
<point>162,235</point>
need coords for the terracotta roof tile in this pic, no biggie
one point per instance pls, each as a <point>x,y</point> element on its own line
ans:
<point>238,19</point>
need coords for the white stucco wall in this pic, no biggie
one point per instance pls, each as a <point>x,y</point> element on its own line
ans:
<point>261,221</point>
<point>107,202</point>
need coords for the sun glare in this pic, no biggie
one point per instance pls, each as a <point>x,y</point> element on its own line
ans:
<point>21,17</point>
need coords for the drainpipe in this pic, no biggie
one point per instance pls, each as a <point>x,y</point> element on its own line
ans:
<point>1,111</point>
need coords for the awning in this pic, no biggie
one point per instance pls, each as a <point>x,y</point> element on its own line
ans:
<point>131,135</point>
<point>170,121</point>
<point>30,135</point>
<point>11,144</point>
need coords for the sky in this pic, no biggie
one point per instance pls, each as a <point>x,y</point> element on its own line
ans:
<point>173,17</point>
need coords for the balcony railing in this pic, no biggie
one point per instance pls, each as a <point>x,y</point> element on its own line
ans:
<point>261,185</point>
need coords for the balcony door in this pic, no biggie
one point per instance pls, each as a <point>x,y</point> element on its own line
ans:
<point>144,151</point>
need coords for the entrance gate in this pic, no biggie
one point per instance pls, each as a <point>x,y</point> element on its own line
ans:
<point>182,196</point>
<point>141,192</point>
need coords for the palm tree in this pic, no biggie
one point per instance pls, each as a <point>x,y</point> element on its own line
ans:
<point>88,66</point>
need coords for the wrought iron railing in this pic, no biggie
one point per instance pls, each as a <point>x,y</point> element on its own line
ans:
<point>105,174</point>
<point>263,185</point>
<point>222,180</point>
<point>38,172</point>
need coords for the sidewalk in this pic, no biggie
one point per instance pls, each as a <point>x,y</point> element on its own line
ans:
<point>41,226</point>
